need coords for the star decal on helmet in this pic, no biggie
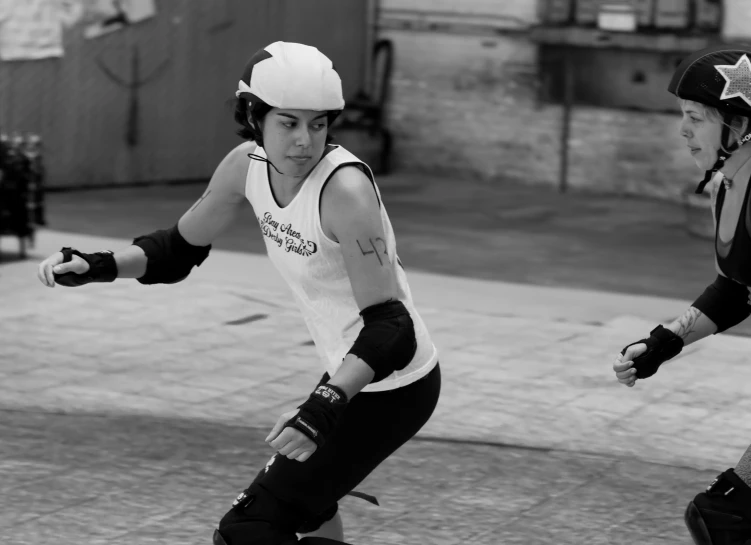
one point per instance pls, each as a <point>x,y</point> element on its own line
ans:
<point>737,79</point>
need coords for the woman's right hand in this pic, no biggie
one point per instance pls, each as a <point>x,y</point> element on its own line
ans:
<point>624,364</point>
<point>54,265</point>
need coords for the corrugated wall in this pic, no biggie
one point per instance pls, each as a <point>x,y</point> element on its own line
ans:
<point>190,57</point>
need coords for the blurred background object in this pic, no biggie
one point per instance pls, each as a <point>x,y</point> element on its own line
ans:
<point>563,94</point>
<point>529,91</point>
<point>146,101</point>
<point>540,93</point>
<point>362,126</point>
<point>21,187</point>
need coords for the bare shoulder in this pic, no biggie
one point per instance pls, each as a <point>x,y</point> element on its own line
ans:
<point>349,203</point>
<point>350,189</point>
<point>229,176</point>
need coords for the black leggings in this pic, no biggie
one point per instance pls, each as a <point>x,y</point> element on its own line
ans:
<point>374,425</point>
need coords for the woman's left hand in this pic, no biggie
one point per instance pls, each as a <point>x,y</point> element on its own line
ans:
<point>290,442</point>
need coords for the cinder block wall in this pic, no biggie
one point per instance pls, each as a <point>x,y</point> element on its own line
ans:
<point>468,105</point>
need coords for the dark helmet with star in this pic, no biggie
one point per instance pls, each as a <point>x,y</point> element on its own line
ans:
<point>717,76</point>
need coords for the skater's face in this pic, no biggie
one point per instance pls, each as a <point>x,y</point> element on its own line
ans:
<point>294,140</point>
<point>703,133</point>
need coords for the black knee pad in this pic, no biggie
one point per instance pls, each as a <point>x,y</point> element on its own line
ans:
<point>313,524</point>
<point>722,514</point>
<point>257,517</point>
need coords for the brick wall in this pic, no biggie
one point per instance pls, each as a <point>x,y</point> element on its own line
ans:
<point>520,9</point>
<point>468,105</point>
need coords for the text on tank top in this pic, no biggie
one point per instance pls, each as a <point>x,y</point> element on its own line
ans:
<point>313,265</point>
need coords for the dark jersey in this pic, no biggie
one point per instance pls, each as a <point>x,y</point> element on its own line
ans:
<point>734,256</point>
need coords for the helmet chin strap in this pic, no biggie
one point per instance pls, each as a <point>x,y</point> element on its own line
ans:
<point>257,127</point>
<point>263,160</point>
<point>722,154</point>
<point>709,173</point>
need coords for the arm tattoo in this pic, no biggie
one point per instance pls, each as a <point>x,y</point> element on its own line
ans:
<point>687,322</point>
<point>373,242</point>
<point>201,199</point>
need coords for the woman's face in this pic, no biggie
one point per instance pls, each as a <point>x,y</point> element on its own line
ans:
<point>703,135</point>
<point>294,140</point>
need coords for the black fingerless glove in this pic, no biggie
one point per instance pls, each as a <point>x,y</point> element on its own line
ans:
<point>319,414</point>
<point>662,345</point>
<point>102,268</point>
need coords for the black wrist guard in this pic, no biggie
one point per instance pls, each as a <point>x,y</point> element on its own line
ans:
<point>662,345</point>
<point>319,414</point>
<point>102,268</point>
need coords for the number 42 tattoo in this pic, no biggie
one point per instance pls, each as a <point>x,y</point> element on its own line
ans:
<point>373,242</point>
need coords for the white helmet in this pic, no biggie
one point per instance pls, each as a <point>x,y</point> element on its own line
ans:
<point>292,76</point>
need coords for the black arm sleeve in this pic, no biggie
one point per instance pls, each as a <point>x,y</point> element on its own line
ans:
<point>725,302</point>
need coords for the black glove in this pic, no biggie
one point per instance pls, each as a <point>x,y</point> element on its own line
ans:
<point>102,268</point>
<point>662,345</point>
<point>319,414</point>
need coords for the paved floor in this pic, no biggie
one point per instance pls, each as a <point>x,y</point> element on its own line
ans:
<point>135,406</point>
<point>126,479</point>
<point>507,232</point>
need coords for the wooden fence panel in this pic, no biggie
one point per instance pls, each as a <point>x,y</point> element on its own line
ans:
<point>190,57</point>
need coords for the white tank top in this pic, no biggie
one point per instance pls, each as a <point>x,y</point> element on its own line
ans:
<point>313,267</point>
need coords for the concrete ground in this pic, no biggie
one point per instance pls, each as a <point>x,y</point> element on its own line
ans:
<point>513,233</point>
<point>133,414</point>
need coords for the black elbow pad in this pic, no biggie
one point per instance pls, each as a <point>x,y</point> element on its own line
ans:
<point>725,302</point>
<point>387,341</point>
<point>170,257</point>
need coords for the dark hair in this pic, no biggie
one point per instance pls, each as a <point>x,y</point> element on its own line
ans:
<point>258,111</point>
